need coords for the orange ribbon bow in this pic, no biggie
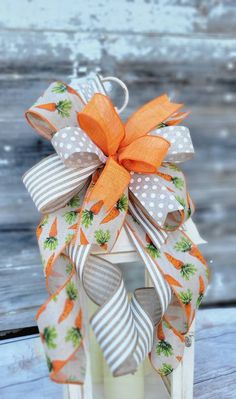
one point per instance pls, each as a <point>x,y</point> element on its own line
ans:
<point>129,146</point>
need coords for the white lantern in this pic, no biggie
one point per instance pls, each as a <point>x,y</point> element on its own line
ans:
<point>146,383</point>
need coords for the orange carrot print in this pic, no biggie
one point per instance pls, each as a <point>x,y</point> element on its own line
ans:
<point>83,238</point>
<point>79,320</point>
<point>72,294</point>
<point>51,107</point>
<point>88,214</point>
<point>102,237</point>
<point>187,270</point>
<point>57,365</point>
<point>177,181</point>
<point>185,245</point>
<point>51,241</point>
<point>121,206</point>
<point>170,280</point>
<point>160,332</point>
<point>201,291</point>
<point>63,107</point>
<point>186,298</point>
<point>49,265</point>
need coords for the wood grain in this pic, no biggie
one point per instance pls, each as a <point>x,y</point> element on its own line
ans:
<point>23,366</point>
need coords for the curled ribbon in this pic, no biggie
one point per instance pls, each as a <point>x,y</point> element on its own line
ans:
<point>107,175</point>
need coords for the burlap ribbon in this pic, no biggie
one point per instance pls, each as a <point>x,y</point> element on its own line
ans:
<point>105,176</point>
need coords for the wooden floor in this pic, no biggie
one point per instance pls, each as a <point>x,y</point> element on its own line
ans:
<point>183,47</point>
<point>23,368</point>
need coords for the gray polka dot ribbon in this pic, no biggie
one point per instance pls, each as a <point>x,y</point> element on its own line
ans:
<point>150,202</point>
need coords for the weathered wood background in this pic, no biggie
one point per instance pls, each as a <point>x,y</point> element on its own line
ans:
<point>186,48</point>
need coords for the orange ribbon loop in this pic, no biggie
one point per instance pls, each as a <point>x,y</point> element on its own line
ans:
<point>102,124</point>
<point>148,117</point>
<point>145,154</point>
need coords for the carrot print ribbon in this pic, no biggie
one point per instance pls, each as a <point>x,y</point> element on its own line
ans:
<point>106,176</point>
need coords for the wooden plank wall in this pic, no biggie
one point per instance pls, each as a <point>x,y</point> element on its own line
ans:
<point>184,47</point>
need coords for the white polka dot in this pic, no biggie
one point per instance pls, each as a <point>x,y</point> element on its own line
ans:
<point>154,187</point>
<point>172,197</point>
<point>151,204</point>
<point>185,140</point>
<point>163,188</point>
<point>144,195</point>
<point>171,206</point>
<point>81,144</point>
<point>139,180</point>
<point>76,133</point>
<point>162,196</point>
<point>160,214</point>
<point>137,187</point>
<point>77,149</point>
<point>83,139</point>
<point>156,179</point>
<point>61,145</point>
<point>68,128</point>
<point>173,141</point>
<point>180,146</point>
<point>64,135</point>
<point>73,138</point>
<point>68,146</point>
<point>178,134</point>
<point>153,195</point>
<point>161,205</point>
<point>145,186</point>
<point>131,181</point>
<point>147,178</point>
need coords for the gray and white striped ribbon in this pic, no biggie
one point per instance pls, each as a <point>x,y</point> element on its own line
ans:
<point>123,329</point>
<point>51,184</point>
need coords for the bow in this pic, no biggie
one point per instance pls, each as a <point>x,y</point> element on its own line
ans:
<point>107,175</point>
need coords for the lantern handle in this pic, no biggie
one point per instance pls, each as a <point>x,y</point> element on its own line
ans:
<point>124,88</point>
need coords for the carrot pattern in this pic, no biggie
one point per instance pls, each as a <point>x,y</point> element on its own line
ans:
<point>186,298</point>
<point>121,206</point>
<point>61,87</point>
<point>72,295</point>
<point>172,281</point>
<point>88,214</point>
<point>102,237</point>
<point>185,245</point>
<point>186,269</point>
<point>51,241</point>
<point>177,181</point>
<point>83,238</point>
<point>63,107</point>
<point>201,291</point>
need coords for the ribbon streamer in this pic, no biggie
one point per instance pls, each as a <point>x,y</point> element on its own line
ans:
<point>106,176</point>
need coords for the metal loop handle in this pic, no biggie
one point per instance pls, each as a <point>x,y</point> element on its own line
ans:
<point>124,88</point>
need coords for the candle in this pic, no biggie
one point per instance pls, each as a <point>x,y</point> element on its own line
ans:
<point>125,387</point>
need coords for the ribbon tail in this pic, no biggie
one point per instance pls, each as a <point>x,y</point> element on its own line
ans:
<point>184,270</point>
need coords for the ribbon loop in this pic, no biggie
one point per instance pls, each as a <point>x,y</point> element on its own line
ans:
<point>148,117</point>
<point>55,109</point>
<point>101,122</point>
<point>145,154</point>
